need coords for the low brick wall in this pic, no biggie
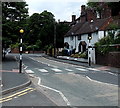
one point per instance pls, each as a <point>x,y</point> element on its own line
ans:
<point>16,50</point>
<point>110,59</point>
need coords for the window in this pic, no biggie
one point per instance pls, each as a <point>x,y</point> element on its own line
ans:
<point>71,38</point>
<point>104,33</point>
<point>79,37</point>
<point>89,34</point>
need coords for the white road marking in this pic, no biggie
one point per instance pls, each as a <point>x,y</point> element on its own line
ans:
<point>56,70</point>
<point>68,57</point>
<point>93,69</point>
<point>72,73</point>
<point>69,70</point>
<point>29,71</point>
<point>58,73</point>
<point>61,94</point>
<point>48,64</point>
<point>75,59</point>
<point>112,73</point>
<point>81,69</point>
<point>42,70</point>
<point>25,67</point>
<point>99,81</point>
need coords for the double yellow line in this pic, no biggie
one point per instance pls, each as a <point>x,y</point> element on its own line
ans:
<point>16,95</point>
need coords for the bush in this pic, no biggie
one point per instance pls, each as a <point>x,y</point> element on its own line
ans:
<point>81,55</point>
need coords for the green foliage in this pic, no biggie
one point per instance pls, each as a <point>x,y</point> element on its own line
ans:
<point>104,45</point>
<point>113,5</point>
<point>81,55</point>
<point>39,28</point>
<point>13,18</point>
<point>61,30</point>
<point>16,45</point>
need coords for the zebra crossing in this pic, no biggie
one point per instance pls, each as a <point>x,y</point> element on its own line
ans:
<point>57,70</point>
<point>42,70</point>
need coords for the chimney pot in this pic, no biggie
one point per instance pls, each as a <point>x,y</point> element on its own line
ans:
<point>73,18</point>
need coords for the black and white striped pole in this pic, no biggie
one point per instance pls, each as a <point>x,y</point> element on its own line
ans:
<point>20,66</point>
<point>89,53</point>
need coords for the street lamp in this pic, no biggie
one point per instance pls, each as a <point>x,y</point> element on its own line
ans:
<point>89,46</point>
<point>20,66</point>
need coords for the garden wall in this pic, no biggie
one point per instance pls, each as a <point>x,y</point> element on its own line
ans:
<point>110,59</point>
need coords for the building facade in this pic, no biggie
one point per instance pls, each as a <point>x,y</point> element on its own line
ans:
<point>89,24</point>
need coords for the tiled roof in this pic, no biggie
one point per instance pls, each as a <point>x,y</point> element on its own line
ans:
<point>74,29</point>
<point>89,27</point>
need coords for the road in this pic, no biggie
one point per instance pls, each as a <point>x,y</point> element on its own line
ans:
<point>67,84</point>
<point>76,85</point>
<point>27,97</point>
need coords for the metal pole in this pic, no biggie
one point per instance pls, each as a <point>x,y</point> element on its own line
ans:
<point>89,54</point>
<point>54,39</point>
<point>20,67</point>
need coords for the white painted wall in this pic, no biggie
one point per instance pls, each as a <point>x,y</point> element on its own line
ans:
<point>84,37</point>
<point>100,34</point>
<point>95,37</point>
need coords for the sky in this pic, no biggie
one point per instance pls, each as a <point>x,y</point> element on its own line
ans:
<point>61,9</point>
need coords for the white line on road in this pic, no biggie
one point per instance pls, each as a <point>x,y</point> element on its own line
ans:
<point>99,81</point>
<point>61,94</point>
<point>29,71</point>
<point>69,70</point>
<point>81,69</point>
<point>42,70</point>
<point>93,69</point>
<point>56,70</point>
<point>112,73</point>
<point>58,73</point>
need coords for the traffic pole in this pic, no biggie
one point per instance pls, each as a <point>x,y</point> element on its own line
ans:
<point>20,65</point>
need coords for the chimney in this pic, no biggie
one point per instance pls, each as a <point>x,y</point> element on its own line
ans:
<point>83,14</point>
<point>82,8</point>
<point>73,18</point>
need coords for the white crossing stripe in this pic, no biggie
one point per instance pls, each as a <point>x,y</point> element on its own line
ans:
<point>56,70</point>
<point>69,70</point>
<point>58,73</point>
<point>81,69</point>
<point>29,71</point>
<point>42,70</point>
<point>93,69</point>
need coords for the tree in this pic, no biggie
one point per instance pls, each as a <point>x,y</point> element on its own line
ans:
<point>14,16</point>
<point>98,7</point>
<point>62,29</point>
<point>40,27</point>
<point>114,7</point>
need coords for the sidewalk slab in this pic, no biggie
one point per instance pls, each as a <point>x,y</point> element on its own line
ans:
<point>73,59</point>
<point>13,81</point>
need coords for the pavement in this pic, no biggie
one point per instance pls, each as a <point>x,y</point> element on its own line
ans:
<point>12,80</point>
